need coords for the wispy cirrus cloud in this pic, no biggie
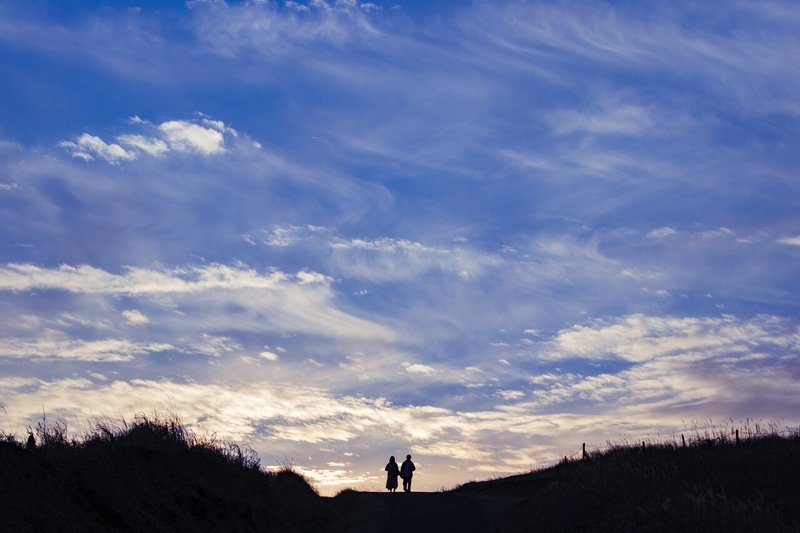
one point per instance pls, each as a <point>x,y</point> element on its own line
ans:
<point>621,120</point>
<point>88,279</point>
<point>396,259</point>
<point>300,302</point>
<point>274,31</point>
<point>665,40</point>
<point>55,345</point>
<point>382,259</point>
<point>661,233</point>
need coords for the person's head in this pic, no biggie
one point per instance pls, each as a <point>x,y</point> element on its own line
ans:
<point>391,459</point>
<point>408,457</point>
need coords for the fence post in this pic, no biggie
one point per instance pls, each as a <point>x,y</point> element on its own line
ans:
<point>584,451</point>
<point>737,437</point>
<point>642,446</point>
<point>683,440</point>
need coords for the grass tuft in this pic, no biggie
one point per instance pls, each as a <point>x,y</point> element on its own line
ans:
<point>149,474</point>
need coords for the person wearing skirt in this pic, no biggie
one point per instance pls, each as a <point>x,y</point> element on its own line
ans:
<point>392,471</point>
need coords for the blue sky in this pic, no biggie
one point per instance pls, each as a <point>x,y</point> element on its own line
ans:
<point>477,232</point>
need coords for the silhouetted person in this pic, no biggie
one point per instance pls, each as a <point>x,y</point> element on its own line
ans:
<point>407,472</point>
<point>391,476</point>
<point>31,442</point>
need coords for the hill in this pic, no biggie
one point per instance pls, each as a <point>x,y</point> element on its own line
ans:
<point>708,486</point>
<point>154,475</point>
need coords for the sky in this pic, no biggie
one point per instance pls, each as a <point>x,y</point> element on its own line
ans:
<point>477,232</point>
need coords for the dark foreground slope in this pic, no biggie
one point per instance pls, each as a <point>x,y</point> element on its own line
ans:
<point>752,486</point>
<point>151,476</point>
<point>156,476</point>
<point>417,512</point>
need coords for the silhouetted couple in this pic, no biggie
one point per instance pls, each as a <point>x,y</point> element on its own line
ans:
<point>405,471</point>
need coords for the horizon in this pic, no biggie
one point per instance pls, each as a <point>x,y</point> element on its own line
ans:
<point>479,233</point>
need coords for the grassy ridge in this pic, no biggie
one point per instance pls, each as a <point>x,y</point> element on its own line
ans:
<point>708,486</point>
<point>152,475</point>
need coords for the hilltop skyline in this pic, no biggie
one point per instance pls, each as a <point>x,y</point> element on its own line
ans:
<point>480,232</point>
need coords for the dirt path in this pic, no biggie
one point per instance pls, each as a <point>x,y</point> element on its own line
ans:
<point>419,512</point>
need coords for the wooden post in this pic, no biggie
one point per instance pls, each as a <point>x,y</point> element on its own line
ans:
<point>566,460</point>
<point>642,446</point>
<point>683,440</point>
<point>584,451</point>
<point>737,437</point>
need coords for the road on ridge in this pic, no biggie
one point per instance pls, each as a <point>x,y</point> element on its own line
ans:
<point>419,512</point>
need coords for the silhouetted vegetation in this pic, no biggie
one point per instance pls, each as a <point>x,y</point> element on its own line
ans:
<point>155,475</point>
<point>712,484</point>
<point>150,475</point>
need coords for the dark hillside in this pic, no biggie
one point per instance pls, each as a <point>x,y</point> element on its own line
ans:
<point>150,476</point>
<point>157,476</point>
<point>709,486</point>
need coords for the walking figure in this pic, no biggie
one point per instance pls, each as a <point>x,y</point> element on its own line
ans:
<point>391,476</point>
<point>407,472</point>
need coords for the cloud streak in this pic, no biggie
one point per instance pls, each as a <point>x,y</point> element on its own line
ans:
<point>302,302</point>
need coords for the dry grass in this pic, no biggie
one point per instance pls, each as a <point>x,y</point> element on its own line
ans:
<point>152,474</point>
<point>712,484</point>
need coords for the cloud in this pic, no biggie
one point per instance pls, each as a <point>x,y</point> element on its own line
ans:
<point>308,278</point>
<point>418,368</point>
<point>184,136</point>
<point>716,233</point>
<point>289,235</point>
<point>369,6</point>
<point>639,338</point>
<point>148,145</point>
<point>232,30</point>
<point>389,259</point>
<point>88,147</point>
<point>789,241</point>
<point>204,137</point>
<point>620,39</point>
<point>87,279</point>
<point>135,317</point>
<point>215,345</point>
<point>511,394</point>
<point>622,120</point>
<point>268,356</point>
<point>54,345</point>
<point>303,302</point>
<point>661,233</point>
<point>382,259</point>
